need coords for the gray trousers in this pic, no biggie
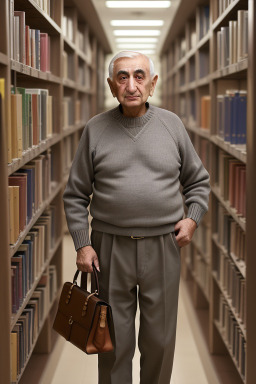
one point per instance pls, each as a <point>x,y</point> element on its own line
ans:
<point>147,270</point>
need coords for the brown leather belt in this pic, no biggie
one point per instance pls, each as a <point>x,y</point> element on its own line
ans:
<point>137,237</point>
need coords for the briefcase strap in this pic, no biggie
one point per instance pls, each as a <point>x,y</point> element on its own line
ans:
<point>84,279</point>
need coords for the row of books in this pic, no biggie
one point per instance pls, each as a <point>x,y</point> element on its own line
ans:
<point>230,234</point>
<point>202,272</point>
<point>68,25</point>
<point>204,63</point>
<point>26,329</point>
<point>68,152</point>
<point>84,75</point>
<point>223,5</point>
<point>232,182</point>
<point>232,282</point>
<point>204,152</point>
<point>68,111</point>
<point>84,44</point>
<point>202,238</point>
<point>205,112</point>
<point>28,187</point>
<point>232,41</point>
<point>232,335</point>
<point>199,267</point>
<point>45,5</point>
<point>28,261</point>
<point>232,116</point>
<point>31,119</point>
<point>68,65</point>
<point>195,34</point>
<point>204,20</point>
<point>28,46</point>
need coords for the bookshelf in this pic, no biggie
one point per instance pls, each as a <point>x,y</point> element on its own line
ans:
<point>208,56</point>
<point>45,104</point>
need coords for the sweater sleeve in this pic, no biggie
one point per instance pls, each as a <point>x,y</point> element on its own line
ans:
<point>194,178</point>
<point>77,192</point>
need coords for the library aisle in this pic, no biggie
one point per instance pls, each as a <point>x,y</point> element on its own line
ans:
<point>74,366</point>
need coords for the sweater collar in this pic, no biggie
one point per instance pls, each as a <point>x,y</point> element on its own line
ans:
<point>132,122</point>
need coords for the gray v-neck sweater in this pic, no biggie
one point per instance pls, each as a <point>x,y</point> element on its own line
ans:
<point>134,179</point>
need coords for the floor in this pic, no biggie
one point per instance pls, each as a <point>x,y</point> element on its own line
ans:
<point>72,366</point>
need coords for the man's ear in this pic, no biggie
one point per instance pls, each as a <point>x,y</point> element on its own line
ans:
<point>153,85</point>
<point>111,86</point>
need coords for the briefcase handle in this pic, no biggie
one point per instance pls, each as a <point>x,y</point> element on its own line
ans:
<point>84,279</point>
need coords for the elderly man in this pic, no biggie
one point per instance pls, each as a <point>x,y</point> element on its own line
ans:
<point>132,159</point>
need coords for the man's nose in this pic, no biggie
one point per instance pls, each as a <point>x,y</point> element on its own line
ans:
<point>131,85</point>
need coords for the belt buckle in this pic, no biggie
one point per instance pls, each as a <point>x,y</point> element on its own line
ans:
<point>137,237</point>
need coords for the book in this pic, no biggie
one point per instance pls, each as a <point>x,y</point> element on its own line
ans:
<point>232,41</point>
<point>25,117</point>
<point>232,116</point>
<point>14,356</point>
<point>205,112</point>
<point>16,46</point>
<point>16,126</point>
<point>28,45</point>
<point>21,40</point>
<point>242,34</point>
<point>44,52</point>
<point>21,181</point>
<point>37,48</point>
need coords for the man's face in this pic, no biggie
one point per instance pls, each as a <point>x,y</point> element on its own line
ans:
<point>132,83</point>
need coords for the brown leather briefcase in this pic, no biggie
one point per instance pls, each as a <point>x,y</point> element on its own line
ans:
<point>83,318</point>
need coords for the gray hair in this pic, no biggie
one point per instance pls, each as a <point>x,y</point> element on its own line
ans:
<point>130,54</point>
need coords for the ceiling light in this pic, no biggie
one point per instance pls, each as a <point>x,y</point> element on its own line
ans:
<point>136,23</point>
<point>138,4</point>
<point>136,32</point>
<point>136,39</point>
<point>135,46</point>
<point>147,51</point>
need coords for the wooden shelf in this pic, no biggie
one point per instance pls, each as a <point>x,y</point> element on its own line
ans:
<point>20,75</point>
<point>232,211</point>
<point>230,70</point>
<point>240,264</point>
<point>228,300</point>
<point>39,331</point>
<point>32,72</point>
<point>31,153</point>
<point>234,6</point>
<point>239,152</point>
<point>205,133</point>
<point>55,187</point>
<point>203,255</point>
<point>73,128</point>
<point>221,332</point>
<point>69,83</point>
<point>15,317</point>
<point>185,100</point>
<point>42,18</point>
<point>3,59</point>
<point>69,43</point>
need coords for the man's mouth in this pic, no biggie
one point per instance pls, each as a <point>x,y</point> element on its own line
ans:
<point>131,97</point>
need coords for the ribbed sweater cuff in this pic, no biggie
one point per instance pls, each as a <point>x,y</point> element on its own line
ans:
<point>81,238</point>
<point>195,212</point>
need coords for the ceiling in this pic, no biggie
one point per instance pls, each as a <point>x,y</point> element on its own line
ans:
<point>107,14</point>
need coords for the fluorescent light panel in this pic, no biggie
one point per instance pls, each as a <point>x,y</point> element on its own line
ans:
<point>136,40</point>
<point>147,51</point>
<point>138,4</point>
<point>136,32</point>
<point>136,23</point>
<point>135,46</point>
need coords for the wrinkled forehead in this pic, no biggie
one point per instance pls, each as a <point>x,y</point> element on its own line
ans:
<point>132,64</point>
